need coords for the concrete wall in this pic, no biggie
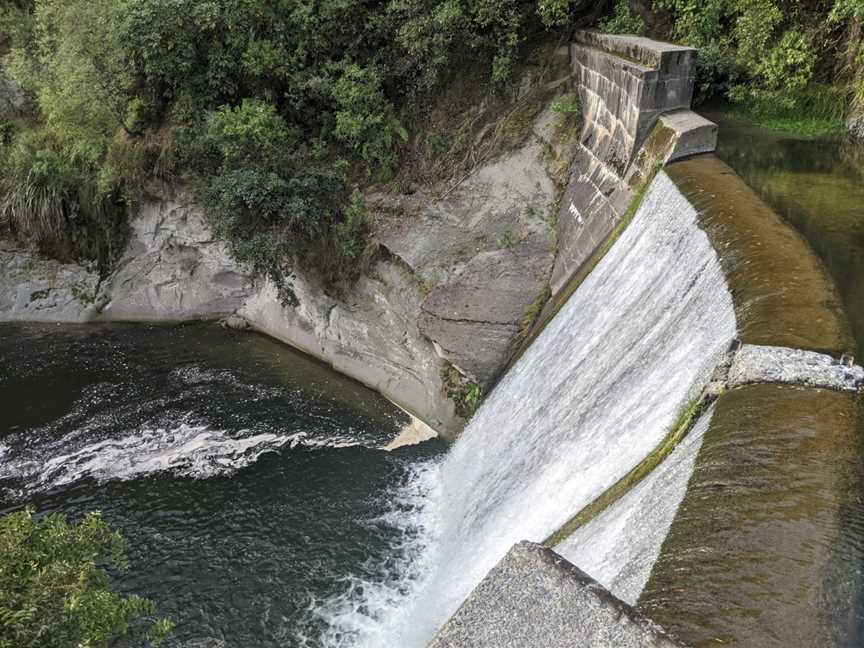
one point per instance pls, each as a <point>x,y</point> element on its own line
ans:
<point>626,85</point>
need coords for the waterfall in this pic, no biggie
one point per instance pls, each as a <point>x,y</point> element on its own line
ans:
<point>591,398</point>
<point>619,547</point>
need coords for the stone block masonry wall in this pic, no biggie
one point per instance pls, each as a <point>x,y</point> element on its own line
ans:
<point>626,84</point>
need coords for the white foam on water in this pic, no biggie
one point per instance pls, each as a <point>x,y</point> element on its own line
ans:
<point>193,451</point>
<point>362,608</point>
<point>589,400</point>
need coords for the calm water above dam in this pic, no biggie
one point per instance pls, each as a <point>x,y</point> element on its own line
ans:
<point>815,184</point>
<point>246,478</point>
<point>768,546</point>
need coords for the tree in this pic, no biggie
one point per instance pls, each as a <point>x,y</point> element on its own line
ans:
<point>54,591</point>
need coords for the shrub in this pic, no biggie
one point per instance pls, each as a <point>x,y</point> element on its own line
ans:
<point>763,54</point>
<point>623,20</point>
<point>252,131</point>
<point>271,221</point>
<point>364,117</point>
<point>54,590</point>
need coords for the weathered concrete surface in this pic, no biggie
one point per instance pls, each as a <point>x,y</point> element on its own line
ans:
<point>692,134</point>
<point>534,598</point>
<point>625,84</point>
<point>42,290</point>
<point>765,364</point>
<point>173,268</point>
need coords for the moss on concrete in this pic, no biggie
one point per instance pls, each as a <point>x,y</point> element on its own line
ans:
<point>687,416</point>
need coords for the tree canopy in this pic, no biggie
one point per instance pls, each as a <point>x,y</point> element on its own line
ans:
<point>272,109</point>
<point>54,590</point>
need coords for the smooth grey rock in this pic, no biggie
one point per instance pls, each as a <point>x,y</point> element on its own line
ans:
<point>485,251</point>
<point>372,335</point>
<point>476,316</point>
<point>766,364</point>
<point>534,598</point>
<point>173,268</point>
<point>43,290</point>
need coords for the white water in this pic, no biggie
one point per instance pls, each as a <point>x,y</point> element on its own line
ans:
<point>619,547</point>
<point>185,450</point>
<point>592,397</point>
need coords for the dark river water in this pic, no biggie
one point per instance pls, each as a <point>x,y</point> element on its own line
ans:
<point>247,479</point>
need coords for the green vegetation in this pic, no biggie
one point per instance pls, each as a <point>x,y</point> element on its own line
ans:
<point>54,590</point>
<point>676,433</point>
<point>275,113</point>
<point>623,20</point>
<point>533,311</point>
<point>800,124</point>
<point>272,111</point>
<point>567,106</point>
<point>464,392</point>
<point>791,64</point>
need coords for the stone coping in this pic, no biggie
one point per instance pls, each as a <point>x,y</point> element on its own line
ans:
<point>653,54</point>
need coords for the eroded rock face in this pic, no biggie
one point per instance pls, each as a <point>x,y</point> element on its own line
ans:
<point>173,268</point>
<point>44,290</point>
<point>485,252</point>
<point>372,335</point>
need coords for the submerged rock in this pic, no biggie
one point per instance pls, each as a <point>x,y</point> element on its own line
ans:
<point>236,323</point>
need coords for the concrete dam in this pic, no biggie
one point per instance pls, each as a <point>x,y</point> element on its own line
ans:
<point>659,458</point>
<point>661,464</point>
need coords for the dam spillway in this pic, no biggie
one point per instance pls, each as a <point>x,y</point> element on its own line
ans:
<point>592,396</point>
<point>580,409</point>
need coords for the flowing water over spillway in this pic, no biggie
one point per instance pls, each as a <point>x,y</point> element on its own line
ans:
<point>262,510</point>
<point>619,547</point>
<point>591,398</point>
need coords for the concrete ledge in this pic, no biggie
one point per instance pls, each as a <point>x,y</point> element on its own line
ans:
<point>767,364</point>
<point>666,57</point>
<point>534,598</point>
<point>692,134</point>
